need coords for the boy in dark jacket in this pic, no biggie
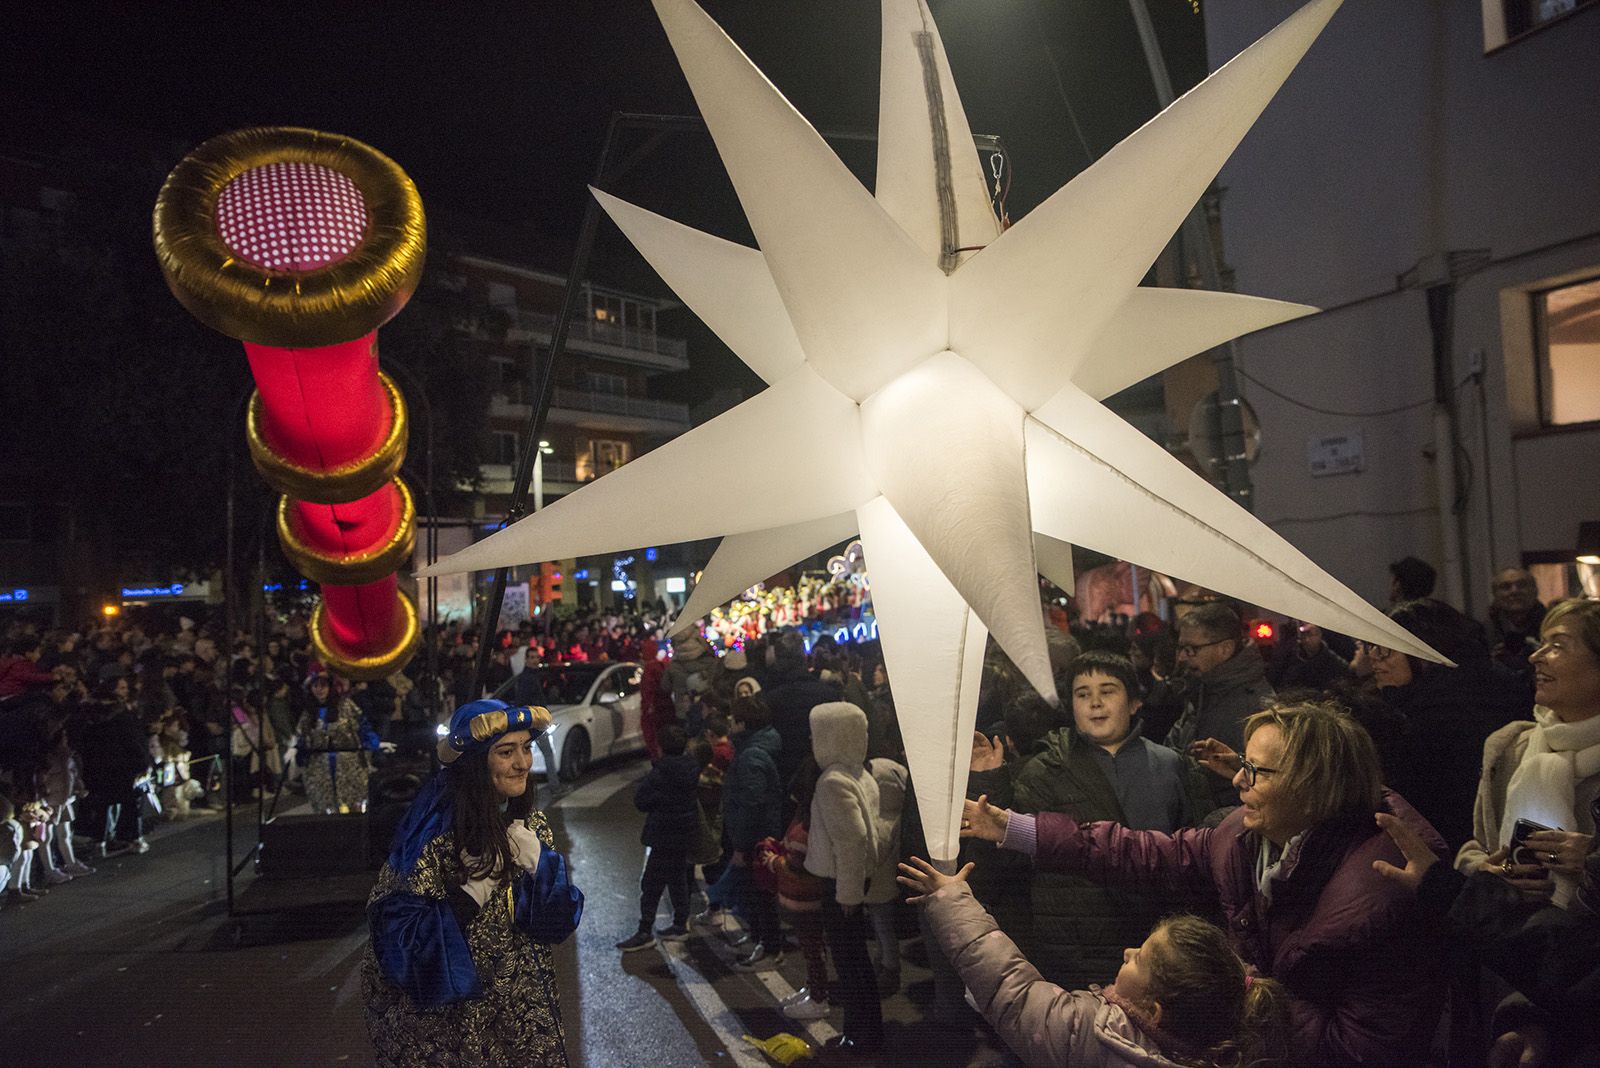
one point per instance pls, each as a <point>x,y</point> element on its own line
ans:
<point>1099,768</point>
<point>667,797</point>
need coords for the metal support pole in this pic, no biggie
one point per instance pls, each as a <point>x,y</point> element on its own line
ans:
<point>541,406</point>
<point>1196,234</point>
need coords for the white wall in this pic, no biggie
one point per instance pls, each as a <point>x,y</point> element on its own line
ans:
<point>1397,139</point>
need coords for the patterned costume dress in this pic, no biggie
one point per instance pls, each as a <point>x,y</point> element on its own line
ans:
<point>334,740</point>
<point>514,1019</point>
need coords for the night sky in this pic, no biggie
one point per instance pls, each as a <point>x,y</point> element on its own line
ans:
<point>498,110</point>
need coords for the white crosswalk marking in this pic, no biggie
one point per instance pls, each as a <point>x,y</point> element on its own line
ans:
<point>596,793</point>
<point>710,1006</point>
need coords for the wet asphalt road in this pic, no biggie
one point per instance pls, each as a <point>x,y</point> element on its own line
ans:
<point>139,964</point>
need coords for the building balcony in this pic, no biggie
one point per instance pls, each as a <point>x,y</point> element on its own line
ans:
<point>500,479</point>
<point>645,348</point>
<point>616,411</point>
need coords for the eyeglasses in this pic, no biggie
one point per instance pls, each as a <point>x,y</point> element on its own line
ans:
<point>1252,770</point>
<point>1374,652</point>
<point>1191,648</point>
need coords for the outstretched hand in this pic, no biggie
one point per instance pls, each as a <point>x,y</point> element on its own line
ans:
<point>1419,858</point>
<point>979,819</point>
<point>987,755</point>
<point>923,877</point>
<point>1215,757</point>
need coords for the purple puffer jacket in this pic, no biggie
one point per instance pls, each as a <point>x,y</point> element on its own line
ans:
<point>1366,973</point>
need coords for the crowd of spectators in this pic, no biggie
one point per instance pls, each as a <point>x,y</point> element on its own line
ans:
<point>1290,794</point>
<point>1395,857</point>
<point>111,728</point>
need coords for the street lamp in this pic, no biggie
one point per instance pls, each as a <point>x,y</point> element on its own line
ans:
<point>545,449</point>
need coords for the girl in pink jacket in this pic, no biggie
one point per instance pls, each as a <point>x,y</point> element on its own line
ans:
<point>1181,1000</point>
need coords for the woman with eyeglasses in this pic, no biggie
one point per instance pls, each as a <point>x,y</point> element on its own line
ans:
<point>1540,779</point>
<point>1292,872</point>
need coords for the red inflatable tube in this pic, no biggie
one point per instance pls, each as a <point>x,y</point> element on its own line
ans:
<point>323,407</point>
<point>356,527</point>
<point>364,621</point>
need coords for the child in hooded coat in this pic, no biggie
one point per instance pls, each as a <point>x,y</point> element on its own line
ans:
<point>845,849</point>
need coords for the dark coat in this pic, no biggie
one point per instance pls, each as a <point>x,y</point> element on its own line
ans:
<point>114,751</point>
<point>1074,930</point>
<point>1365,977</point>
<point>668,796</point>
<point>791,692</point>
<point>752,791</point>
<point>1449,713</point>
<point>1216,705</point>
<point>1551,958</point>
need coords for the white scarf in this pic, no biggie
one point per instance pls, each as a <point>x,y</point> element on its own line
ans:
<point>1544,787</point>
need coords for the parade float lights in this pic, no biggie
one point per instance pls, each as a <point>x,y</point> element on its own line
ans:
<point>301,244</point>
<point>960,390</point>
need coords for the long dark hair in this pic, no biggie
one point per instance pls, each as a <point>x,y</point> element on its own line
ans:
<point>477,820</point>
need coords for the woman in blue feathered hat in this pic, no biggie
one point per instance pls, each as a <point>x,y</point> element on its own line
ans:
<point>459,968</point>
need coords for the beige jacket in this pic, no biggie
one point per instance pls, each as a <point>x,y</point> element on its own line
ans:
<point>1502,755</point>
<point>1043,1024</point>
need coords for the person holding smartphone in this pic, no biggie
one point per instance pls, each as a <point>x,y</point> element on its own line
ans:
<point>1545,774</point>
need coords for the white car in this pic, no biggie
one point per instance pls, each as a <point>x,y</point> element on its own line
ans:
<point>595,708</point>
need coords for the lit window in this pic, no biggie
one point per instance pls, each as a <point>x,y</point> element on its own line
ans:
<point>1505,21</point>
<point>600,457</point>
<point>1567,339</point>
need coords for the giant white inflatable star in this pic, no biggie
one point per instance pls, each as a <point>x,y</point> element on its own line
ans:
<point>943,403</point>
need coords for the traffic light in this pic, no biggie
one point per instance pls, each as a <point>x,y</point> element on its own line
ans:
<point>545,587</point>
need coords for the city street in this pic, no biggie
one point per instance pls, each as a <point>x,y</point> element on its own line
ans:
<point>138,965</point>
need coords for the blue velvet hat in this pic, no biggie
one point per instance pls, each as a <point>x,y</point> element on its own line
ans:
<point>476,724</point>
<point>473,729</point>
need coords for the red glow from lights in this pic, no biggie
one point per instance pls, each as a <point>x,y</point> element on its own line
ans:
<point>1264,631</point>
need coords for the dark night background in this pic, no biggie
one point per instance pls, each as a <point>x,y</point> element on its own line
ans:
<point>116,409</point>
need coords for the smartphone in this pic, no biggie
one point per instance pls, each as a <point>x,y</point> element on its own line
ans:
<point>1520,830</point>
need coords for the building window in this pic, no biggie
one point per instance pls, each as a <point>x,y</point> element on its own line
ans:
<point>1567,342</point>
<point>599,456</point>
<point>599,382</point>
<point>1505,21</point>
<point>629,321</point>
<point>505,448</point>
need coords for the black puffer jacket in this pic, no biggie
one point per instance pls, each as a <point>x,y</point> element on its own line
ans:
<point>667,797</point>
<point>1449,713</point>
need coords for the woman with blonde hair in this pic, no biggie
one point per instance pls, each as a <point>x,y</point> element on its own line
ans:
<point>1545,774</point>
<point>1292,871</point>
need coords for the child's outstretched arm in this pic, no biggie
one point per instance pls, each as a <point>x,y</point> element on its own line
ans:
<point>1041,1022</point>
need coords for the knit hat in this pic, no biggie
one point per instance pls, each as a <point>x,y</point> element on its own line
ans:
<point>735,660</point>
